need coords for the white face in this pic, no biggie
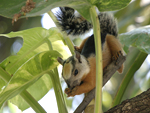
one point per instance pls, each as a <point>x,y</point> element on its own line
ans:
<point>74,70</point>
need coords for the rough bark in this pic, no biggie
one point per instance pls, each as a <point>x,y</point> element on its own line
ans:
<point>138,104</point>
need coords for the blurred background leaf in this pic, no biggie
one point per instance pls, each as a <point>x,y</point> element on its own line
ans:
<point>9,46</point>
<point>139,38</point>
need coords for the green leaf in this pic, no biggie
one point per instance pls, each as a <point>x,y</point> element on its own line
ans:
<point>2,84</point>
<point>29,73</point>
<point>37,90</point>
<point>34,42</point>
<point>24,94</point>
<point>82,6</point>
<point>93,1</point>
<point>139,38</point>
<point>109,5</point>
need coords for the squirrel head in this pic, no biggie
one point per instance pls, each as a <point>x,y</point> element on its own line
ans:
<point>75,69</point>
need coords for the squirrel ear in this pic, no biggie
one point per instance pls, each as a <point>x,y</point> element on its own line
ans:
<point>78,56</point>
<point>60,60</point>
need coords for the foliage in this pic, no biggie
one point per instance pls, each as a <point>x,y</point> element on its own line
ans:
<point>33,69</point>
<point>44,6</point>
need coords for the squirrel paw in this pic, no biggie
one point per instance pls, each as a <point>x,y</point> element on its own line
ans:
<point>71,93</point>
<point>77,49</point>
<point>116,56</point>
<point>67,90</point>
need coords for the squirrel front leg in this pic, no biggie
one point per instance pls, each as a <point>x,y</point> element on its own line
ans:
<point>89,81</point>
<point>79,49</point>
<point>85,87</point>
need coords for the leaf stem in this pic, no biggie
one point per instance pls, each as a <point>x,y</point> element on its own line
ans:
<point>32,102</point>
<point>57,86</point>
<point>58,92</point>
<point>49,44</point>
<point>99,71</point>
<point>135,66</point>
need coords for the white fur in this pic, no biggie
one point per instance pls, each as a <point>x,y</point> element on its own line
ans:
<point>83,69</point>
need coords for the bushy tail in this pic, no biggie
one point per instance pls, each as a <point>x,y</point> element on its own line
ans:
<point>77,25</point>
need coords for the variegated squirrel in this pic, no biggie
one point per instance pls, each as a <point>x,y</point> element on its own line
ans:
<point>79,70</point>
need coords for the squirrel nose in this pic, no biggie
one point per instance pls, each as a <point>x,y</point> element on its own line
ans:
<point>68,83</point>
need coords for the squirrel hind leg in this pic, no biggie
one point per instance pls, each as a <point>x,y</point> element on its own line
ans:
<point>115,58</point>
<point>115,48</point>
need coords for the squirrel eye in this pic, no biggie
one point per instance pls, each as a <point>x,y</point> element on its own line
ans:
<point>75,72</point>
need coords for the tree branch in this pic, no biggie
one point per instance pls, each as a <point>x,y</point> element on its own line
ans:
<point>108,72</point>
<point>138,104</point>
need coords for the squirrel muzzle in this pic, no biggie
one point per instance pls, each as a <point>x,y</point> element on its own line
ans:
<point>71,84</point>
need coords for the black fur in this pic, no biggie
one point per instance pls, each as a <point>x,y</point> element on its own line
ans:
<point>108,24</point>
<point>89,46</point>
<point>73,25</point>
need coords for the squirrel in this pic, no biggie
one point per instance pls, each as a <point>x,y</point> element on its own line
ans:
<point>79,70</point>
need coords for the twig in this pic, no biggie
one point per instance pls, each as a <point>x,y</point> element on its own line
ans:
<point>108,72</point>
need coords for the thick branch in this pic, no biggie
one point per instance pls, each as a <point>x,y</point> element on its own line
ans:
<point>138,104</point>
<point>108,72</point>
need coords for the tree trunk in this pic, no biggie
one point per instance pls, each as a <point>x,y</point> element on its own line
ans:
<point>138,104</point>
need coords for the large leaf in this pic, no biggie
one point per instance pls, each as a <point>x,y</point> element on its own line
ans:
<point>37,90</point>
<point>34,42</point>
<point>139,38</point>
<point>30,72</point>
<point>14,6</point>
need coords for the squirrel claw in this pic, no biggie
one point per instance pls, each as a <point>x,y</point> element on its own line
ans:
<point>67,90</point>
<point>71,93</point>
<point>116,56</point>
